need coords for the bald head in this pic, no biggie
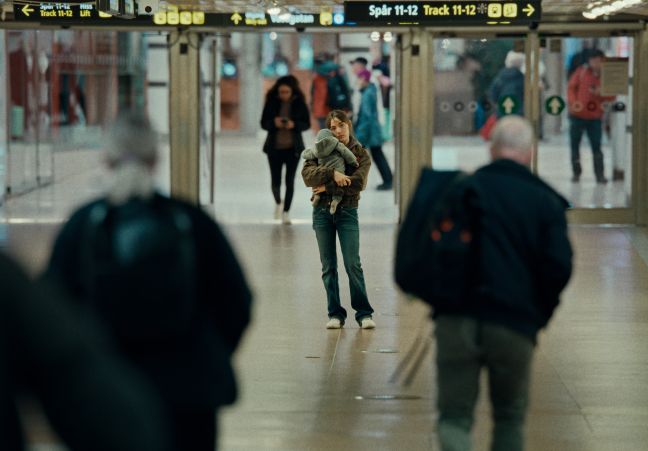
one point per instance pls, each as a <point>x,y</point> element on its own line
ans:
<point>512,138</point>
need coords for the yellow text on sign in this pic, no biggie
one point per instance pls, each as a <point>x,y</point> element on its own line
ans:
<point>175,17</point>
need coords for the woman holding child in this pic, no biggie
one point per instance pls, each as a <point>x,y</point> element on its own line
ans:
<point>326,182</point>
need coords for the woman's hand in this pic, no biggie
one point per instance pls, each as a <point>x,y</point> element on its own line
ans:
<point>289,125</point>
<point>279,123</point>
<point>319,189</point>
<point>341,179</point>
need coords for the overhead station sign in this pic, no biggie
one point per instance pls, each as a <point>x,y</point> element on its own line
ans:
<point>81,13</point>
<point>442,13</point>
<point>87,14</point>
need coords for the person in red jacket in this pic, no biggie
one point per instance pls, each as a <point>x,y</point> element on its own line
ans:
<point>586,108</point>
<point>325,68</point>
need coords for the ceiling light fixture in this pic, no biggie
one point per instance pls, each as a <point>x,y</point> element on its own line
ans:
<point>595,11</point>
<point>275,9</point>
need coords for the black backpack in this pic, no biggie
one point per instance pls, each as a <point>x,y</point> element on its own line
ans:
<point>337,93</point>
<point>437,250</point>
<point>139,270</point>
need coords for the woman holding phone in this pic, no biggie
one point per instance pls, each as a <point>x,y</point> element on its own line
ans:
<point>285,117</point>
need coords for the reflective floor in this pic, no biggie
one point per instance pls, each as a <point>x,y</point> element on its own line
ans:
<point>307,388</point>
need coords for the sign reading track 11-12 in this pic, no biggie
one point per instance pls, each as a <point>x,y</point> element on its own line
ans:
<point>458,13</point>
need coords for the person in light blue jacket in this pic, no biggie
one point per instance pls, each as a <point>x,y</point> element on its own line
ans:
<point>367,127</point>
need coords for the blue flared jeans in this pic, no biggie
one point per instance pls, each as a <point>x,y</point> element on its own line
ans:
<point>344,223</point>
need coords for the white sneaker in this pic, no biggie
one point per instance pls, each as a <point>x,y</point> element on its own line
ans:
<point>278,210</point>
<point>367,323</point>
<point>285,218</point>
<point>334,323</point>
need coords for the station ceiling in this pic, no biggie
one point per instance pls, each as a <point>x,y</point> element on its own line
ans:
<point>557,8</point>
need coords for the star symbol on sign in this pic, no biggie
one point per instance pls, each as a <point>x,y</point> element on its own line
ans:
<point>481,8</point>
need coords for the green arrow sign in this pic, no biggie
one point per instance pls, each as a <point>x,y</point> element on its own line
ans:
<point>554,105</point>
<point>508,105</point>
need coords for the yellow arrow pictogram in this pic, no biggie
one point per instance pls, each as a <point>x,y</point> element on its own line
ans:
<point>236,18</point>
<point>26,10</point>
<point>528,10</point>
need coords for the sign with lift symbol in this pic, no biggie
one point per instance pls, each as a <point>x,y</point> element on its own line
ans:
<point>512,12</point>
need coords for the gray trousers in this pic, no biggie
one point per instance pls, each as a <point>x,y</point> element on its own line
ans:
<point>464,347</point>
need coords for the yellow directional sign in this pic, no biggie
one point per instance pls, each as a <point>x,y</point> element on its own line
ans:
<point>529,9</point>
<point>27,10</point>
<point>236,18</point>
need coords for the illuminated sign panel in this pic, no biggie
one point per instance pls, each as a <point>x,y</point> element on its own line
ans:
<point>87,14</point>
<point>59,12</point>
<point>510,12</point>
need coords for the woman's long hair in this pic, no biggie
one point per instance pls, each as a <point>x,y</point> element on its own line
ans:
<point>341,116</point>
<point>290,81</point>
<point>131,154</point>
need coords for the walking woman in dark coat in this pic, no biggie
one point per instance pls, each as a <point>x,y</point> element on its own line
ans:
<point>285,117</point>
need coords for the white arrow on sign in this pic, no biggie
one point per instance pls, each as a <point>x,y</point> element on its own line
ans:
<point>555,106</point>
<point>508,105</point>
<point>27,10</point>
<point>528,10</point>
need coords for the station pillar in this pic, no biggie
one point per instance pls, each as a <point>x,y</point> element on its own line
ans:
<point>184,114</point>
<point>414,132</point>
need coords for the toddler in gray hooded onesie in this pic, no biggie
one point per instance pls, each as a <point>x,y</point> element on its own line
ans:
<point>330,152</point>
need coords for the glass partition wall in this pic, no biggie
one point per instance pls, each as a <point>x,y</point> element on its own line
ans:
<point>64,88</point>
<point>580,103</point>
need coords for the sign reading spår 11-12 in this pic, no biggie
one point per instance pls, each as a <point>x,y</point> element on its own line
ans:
<point>511,12</point>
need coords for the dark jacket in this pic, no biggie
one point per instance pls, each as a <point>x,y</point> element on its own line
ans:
<point>298,114</point>
<point>526,257</point>
<point>508,82</point>
<point>195,371</point>
<point>367,126</point>
<point>91,398</point>
<point>315,175</point>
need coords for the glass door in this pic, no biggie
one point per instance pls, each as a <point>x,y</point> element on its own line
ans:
<point>585,122</point>
<point>578,94</point>
<point>476,81</point>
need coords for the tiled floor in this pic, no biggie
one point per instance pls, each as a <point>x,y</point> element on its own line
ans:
<point>307,388</point>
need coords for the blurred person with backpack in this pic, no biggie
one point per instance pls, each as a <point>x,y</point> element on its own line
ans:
<point>338,91</point>
<point>285,116</point>
<point>162,277</point>
<point>495,259</point>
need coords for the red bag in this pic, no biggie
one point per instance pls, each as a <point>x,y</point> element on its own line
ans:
<point>487,128</point>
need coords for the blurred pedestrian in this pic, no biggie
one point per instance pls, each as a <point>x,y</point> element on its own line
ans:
<point>92,398</point>
<point>524,261</point>
<point>144,265</point>
<point>509,82</point>
<point>586,111</point>
<point>285,117</point>
<point>367,127</point>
